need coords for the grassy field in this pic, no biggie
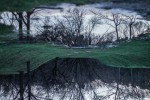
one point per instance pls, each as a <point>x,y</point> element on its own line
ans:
<point>132,55</point>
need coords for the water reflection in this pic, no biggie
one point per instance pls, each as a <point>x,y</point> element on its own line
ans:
<point>80,79</point>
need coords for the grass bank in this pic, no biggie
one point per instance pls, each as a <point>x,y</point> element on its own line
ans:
<point>131,55</point>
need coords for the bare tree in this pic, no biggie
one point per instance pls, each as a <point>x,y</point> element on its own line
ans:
<point>67,33</point>
<point>50,32</point>
<point>105,39</point>
<point>23,19</point>
<point>92,24</point>
<point>130,20</point>
<point>77,17</point>
<point>116,18</point>
<point>72,25</point>
<point>140,27</point>
<point>124,30</point>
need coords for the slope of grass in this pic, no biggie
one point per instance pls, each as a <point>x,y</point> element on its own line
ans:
<point>132,55</point>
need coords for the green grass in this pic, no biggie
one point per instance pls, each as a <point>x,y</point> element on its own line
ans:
<point>131,55</point>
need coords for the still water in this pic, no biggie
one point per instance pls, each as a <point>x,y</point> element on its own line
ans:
<point>80,79</point>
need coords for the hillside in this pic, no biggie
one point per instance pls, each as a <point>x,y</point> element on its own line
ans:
<point>13,57</point>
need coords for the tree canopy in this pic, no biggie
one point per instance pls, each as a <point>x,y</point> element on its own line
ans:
<point>25,5</point>
<point>17,5</point>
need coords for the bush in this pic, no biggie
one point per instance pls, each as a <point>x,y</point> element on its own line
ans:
<point>6,29</point>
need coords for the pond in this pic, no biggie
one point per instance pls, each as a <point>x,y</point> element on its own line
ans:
<point>79,79</point>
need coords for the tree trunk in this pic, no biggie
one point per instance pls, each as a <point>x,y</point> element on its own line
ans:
<point>90,41</point>
<point>28,25</point>
<point>130,31</point>
<point>20,25</point>
<point>117,33</point>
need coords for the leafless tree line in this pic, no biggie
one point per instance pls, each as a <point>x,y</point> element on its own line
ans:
<point>74,29</point>
<point>70,29</point>
<point>126,26</point>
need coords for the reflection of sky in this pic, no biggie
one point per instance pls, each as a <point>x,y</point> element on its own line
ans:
<point>100,29</point>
